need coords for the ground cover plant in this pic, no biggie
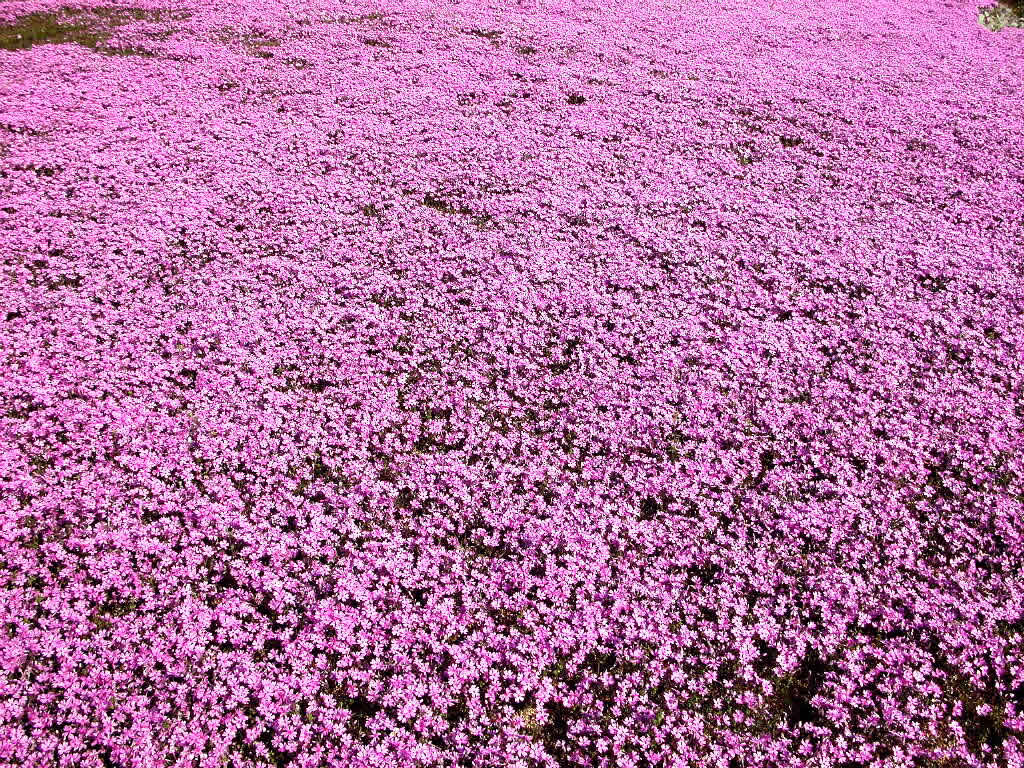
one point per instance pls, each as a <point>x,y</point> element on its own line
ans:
<point>522,384</point>
<point>1009,13</point>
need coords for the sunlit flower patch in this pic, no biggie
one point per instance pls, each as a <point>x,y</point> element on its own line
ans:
<point>541,384</point>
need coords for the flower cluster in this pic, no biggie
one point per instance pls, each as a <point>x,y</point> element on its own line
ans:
<point>631,385</point>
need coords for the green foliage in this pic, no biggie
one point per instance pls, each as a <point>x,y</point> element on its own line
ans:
<point>1007,13</point>
<point>90,28</point>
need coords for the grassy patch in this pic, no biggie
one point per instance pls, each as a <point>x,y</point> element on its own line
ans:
<point>1009,13</point>
<point>90,28</point>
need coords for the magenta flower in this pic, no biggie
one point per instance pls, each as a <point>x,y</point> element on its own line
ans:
<point>552,384</point>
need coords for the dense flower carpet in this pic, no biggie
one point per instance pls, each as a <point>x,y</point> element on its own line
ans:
<point>542,383</point>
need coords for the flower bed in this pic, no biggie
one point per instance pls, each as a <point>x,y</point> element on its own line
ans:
<point>552,384</point>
